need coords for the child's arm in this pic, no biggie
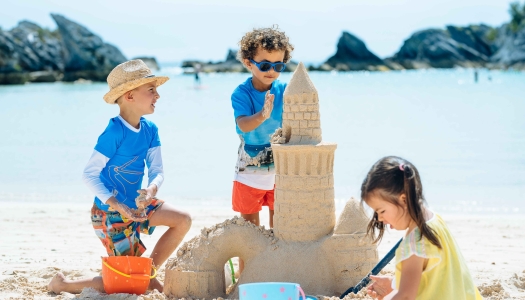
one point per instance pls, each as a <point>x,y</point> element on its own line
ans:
<point>91,178</point>
<point>249,123</point>
<point>155,176</point>
<point>412,268</point>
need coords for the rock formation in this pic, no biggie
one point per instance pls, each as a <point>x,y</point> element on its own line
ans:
<point>509,48</point>
<point>437,48</point>
<point>29,52</point>
<point>85,54</point>
<point>44,45</point>
<point>476,37</point>
<point>151,62</point>
<point>306,245</point>
<point>30,48</point>
<point>230,64</point>
<point>352,54</point>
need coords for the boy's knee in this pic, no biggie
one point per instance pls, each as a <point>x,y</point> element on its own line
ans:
<point>186,222</point>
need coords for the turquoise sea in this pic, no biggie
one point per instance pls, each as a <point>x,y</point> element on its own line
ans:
<point>467,139</point>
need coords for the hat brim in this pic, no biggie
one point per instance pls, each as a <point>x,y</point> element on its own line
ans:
<point>112,96</point>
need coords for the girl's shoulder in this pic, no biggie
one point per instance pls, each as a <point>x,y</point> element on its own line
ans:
<point>414,243</point>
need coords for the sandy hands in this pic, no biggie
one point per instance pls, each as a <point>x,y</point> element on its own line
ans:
<point>268,105</point>
<point>142,201</point>
<point>381,286</point>
<point>144,198</point>
<point>127,213</point>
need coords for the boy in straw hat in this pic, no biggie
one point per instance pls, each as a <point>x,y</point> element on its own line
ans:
<point>122,210</point>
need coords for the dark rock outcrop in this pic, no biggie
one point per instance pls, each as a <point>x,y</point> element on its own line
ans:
<point>475,37</point>
<point>44,44</point>
<point>510,48</point>
<point>352,54</point>
<point>435,48</point>
<point>29,52</point>
<point>85,54</point>
<point>151,62</point>
<point>230,64</point>
<point>28,48</point>
<point>231,56</point>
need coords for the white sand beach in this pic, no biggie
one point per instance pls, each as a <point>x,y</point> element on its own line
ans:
<point>45,238</point>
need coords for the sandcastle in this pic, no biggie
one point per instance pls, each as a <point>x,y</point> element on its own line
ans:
<point>306,245</point>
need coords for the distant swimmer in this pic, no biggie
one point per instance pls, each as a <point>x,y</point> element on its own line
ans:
<point>197,70</point>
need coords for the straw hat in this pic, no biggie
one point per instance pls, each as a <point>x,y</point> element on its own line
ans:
<point>127,76</point>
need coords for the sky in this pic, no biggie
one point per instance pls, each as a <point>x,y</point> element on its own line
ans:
<point>173,31</point>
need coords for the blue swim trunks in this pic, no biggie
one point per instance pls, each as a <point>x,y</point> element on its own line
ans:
<point>119,235</point>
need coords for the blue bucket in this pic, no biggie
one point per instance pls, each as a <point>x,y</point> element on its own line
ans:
<point>271,291</point>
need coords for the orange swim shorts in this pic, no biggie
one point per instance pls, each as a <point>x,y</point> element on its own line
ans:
<point>249,200</point>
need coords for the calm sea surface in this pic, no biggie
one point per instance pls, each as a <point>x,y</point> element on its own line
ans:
<point>467,139</point>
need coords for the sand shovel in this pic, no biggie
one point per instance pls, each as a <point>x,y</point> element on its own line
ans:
<point>380,265</point>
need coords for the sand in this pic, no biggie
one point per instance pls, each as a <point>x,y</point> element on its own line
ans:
<point>51,237</point>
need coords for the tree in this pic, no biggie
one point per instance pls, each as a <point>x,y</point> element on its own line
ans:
<point>517,12</point>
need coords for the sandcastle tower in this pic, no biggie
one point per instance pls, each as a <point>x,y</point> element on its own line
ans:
<point>303,166</point>
<point>306,245</point>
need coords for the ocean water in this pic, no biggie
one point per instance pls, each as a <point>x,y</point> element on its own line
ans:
<point>467,139</point>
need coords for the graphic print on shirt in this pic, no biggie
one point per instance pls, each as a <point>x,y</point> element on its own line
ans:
<point>254,158</point>
<point>118,174</point>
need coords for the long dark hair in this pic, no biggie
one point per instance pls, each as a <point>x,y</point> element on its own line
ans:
<point>392,176</point>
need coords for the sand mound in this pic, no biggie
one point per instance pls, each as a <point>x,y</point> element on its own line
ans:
<point>519,280</point>
<point>493,291</point>
<point>20,287</point>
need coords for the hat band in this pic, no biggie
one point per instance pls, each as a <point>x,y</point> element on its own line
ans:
<point>152,75</point>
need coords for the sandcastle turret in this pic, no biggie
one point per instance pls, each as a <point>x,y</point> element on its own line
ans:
<point>305,246</point>
<point>301,118</point>
<point>304,182</point>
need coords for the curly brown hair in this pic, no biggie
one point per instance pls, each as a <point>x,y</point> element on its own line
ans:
<point>270,39</point>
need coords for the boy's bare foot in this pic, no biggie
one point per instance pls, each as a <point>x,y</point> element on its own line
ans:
<point>154,284</point>
<point>57,283</point>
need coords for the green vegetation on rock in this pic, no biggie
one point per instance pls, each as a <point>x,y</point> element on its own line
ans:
<point>492,34</point>
<point>517,12</point>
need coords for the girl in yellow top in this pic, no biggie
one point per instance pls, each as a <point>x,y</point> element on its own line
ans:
<point>429,264</point>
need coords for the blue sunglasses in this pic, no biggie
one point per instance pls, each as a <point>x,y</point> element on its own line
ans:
<point>266,66</point>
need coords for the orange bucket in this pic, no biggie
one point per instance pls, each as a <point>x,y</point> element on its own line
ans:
<point>127,274</point>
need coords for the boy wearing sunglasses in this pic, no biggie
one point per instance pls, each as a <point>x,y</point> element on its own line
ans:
<point>257,105</point>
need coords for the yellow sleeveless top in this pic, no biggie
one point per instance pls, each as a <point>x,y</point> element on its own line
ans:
<point>446,275</point>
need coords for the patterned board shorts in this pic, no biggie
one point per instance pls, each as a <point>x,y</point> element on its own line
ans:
<point>119,235</point>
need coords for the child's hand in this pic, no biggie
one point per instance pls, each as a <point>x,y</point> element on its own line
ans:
<point>268,105</point>
<point>146,196</point>
<point>136,215</point>
<point>381,286</point>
